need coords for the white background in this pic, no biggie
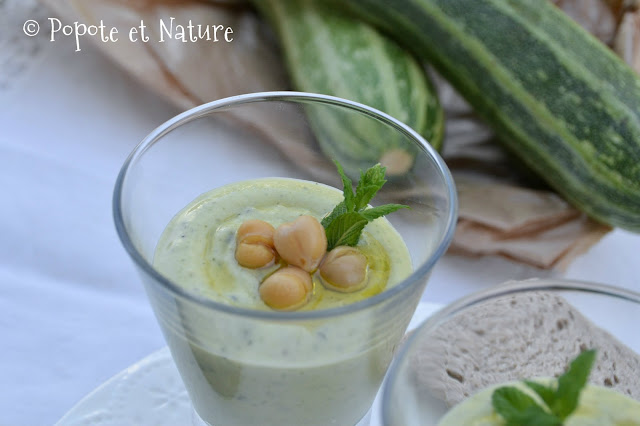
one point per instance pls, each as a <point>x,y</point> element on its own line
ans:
<point>72,311</point>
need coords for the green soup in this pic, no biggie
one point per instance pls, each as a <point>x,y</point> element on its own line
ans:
<point>197,248</point>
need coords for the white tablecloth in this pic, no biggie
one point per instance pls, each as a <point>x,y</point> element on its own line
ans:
<point>72,311</point>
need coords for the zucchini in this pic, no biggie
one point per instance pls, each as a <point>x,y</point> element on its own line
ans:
<point>331,53</point>
<point>556,96</point>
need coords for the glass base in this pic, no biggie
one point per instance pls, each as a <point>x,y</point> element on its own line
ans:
<point>197,421</point>
<point>366,420</point>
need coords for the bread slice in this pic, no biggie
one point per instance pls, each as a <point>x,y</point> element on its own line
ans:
<point>525,335</point>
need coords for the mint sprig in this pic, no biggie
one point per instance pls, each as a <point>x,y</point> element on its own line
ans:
<point>519,409</point>
<point>571,383</point>
<point>346,221</point>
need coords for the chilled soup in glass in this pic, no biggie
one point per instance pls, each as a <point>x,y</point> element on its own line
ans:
<point>242,362</point>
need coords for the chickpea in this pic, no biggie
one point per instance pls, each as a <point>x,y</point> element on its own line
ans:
<point>344,269</point>
<point>286,289</point>
<point>254,244</point>
<point>254,256</point>
<point>302,243</point>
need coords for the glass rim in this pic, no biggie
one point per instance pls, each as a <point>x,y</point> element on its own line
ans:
<point>498,290</point>
<point>284,96</point>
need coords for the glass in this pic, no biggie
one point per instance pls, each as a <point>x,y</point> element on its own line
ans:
<point>412,398</point>
<point>319,367</point>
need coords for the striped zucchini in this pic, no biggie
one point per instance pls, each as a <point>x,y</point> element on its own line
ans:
<point>328,52</point>
<point>559,99</point>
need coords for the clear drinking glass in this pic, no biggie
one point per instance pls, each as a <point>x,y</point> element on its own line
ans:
<point>417,393</point>
<point>243,366</point>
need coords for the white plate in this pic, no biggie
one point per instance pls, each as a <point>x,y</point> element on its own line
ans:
<point>150,392</point>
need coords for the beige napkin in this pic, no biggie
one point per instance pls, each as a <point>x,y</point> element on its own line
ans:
<point>503,209</point>
<point>187,74</point>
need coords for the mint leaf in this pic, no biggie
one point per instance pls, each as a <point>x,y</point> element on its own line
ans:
<point>519,409</point>
<point>376,212</point>
<point>546,393</point>
<point>509,401</point>
<point>570,384</point>
<point>338,210</point>
<point>370,183</point>
<point>347,188</point>
<point>345,230</point>
<point>346,221</point>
